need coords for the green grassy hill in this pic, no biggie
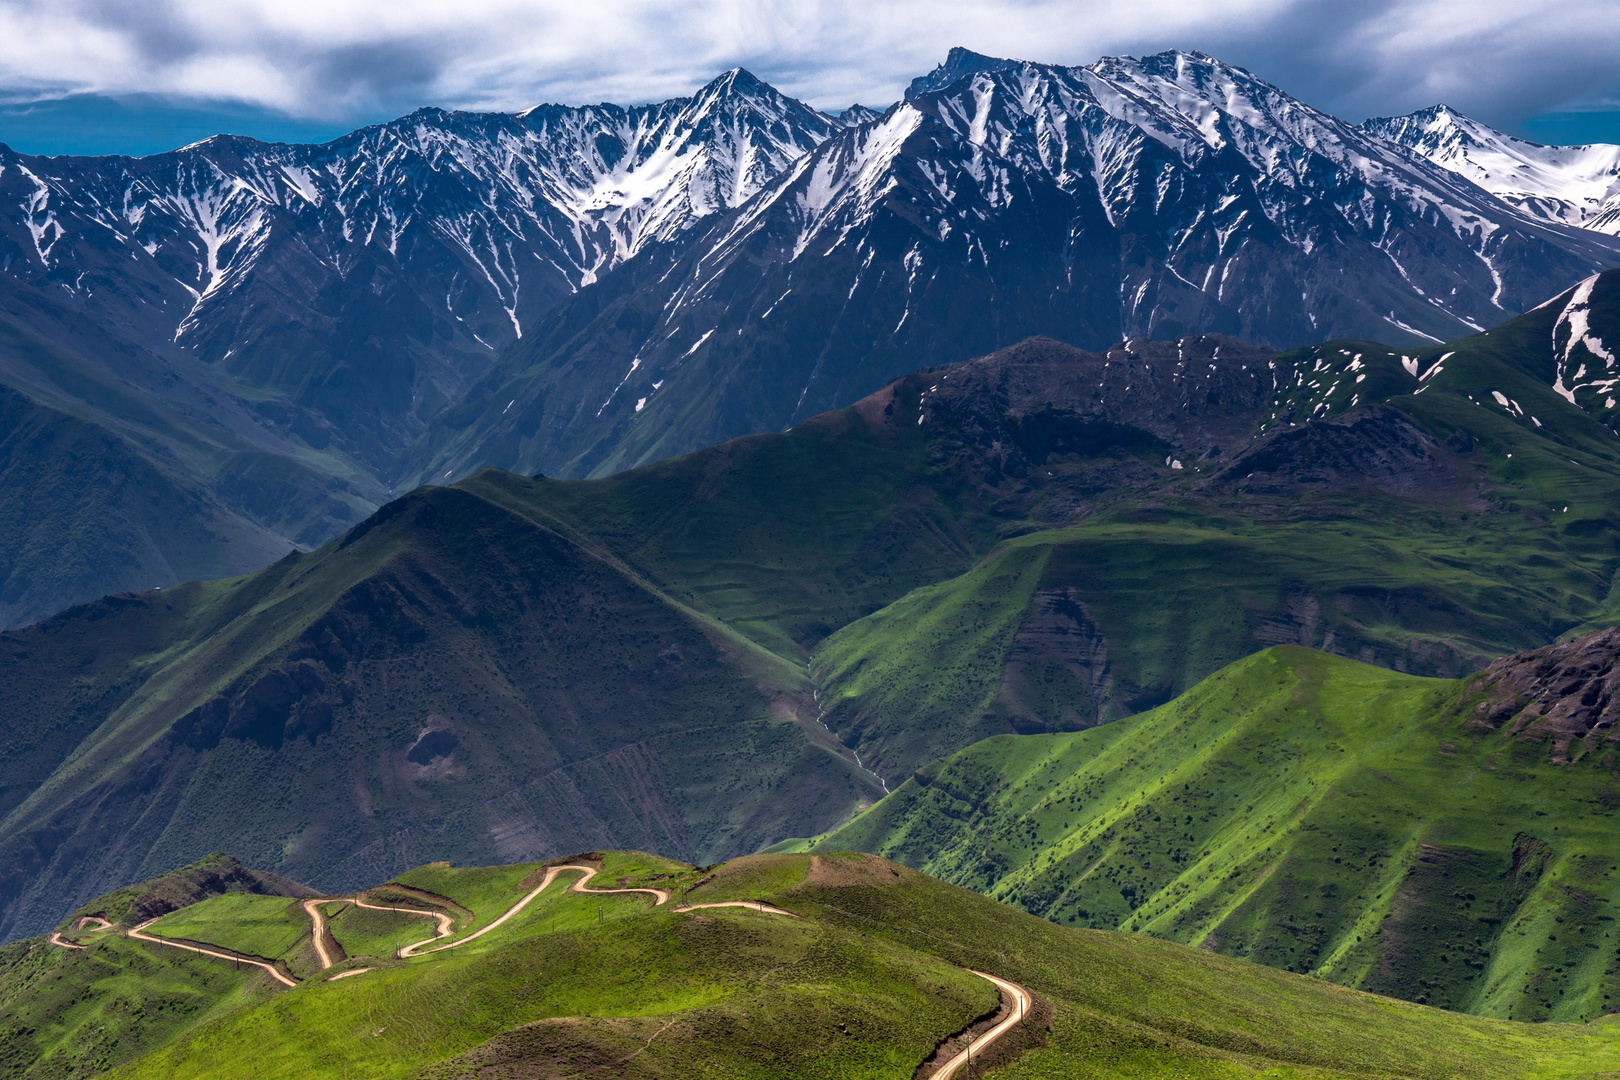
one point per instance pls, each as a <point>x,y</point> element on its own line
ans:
<point>1062,572</point>
<point>867,982</point>
<point>1065,628</point>
<point>74,1013</point>
<point>1392,833</point>
<point>1424,512</point>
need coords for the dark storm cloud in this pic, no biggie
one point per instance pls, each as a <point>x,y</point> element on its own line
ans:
<point>1500,61</point>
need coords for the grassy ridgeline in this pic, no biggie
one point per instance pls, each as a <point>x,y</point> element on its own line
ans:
<point>1500,536</point>
<point>1142,610</point>
<point>1063,628</point>
<point>864,984</point>
<point>1307,812</point>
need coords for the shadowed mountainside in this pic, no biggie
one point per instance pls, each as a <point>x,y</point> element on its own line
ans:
<point>450,679</point>
<point>1039,540</point>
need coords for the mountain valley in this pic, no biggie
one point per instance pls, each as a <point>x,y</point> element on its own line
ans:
<point>998,546</point>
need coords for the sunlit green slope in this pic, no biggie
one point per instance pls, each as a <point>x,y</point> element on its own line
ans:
<point>1307,812</point>
<point>866,978</point>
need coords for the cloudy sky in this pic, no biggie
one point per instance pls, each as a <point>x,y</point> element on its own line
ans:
<point>301,68</point>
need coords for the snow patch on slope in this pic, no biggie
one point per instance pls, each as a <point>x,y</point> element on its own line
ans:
<point>1574,328</point>
<point>1569,185</point>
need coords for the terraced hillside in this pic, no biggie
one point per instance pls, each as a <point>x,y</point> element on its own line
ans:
<point>1444,842</point>
<point>709,654</point>
<point>779,966</point>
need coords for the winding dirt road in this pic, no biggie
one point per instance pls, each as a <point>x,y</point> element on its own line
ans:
<point>312,908</point>
<point>139,934</point>
<point>416,949</point>
<point>447,924</point>
<point>1022,1001</point>
<point>318,918</point>
<point>86,922</point>
<point>751,905</point>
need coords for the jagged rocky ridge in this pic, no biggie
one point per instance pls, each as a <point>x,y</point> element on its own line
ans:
<point>1563,693</point>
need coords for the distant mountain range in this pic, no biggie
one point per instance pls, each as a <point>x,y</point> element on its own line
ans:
<point>278,323</point>
<point>275,339</point>
<point>1146,198</point>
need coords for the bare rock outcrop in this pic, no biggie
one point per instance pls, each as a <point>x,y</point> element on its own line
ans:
<point>1562,693</point>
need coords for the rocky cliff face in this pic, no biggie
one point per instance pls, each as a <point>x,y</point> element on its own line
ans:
<point>1562,694</point>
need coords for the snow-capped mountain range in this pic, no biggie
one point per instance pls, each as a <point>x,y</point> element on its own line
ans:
<point>1571,185</point>
<point>1134,198</point>
<point>402,256</point>
<point>580,289</point>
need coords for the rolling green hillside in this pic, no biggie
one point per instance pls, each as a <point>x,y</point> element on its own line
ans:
<point>865,978</point>
<point>1422,512</point>
<point>1445,842</point>
<point>689,657</point>
<point>67,1013</point>
<point>1064,628</point>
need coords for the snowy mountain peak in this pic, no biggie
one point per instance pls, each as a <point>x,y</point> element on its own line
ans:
<point>1152,198</point>
<point>1183,66</point>
<point>739,92</point>
<point>856,115</point>
<point>446,235</point>
<point>740,79</point>
<point>959,64</point>
<point>1570,185</point>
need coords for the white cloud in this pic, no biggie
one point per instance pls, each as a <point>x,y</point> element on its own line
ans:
<point>336,58</point>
